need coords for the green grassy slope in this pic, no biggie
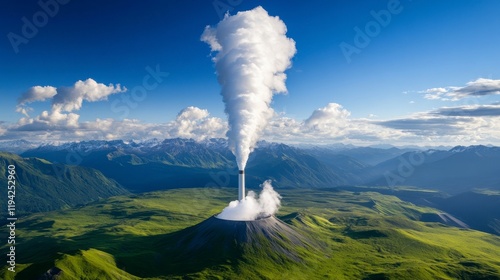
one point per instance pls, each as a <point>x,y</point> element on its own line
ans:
<point>359,235</point>
<point>44,186</point>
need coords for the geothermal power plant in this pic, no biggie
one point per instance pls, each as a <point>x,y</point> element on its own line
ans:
<point>253,53</point>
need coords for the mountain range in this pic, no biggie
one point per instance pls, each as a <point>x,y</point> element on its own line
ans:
<point>174,163</point>
<point>454,171</point>
<point>157,164</point>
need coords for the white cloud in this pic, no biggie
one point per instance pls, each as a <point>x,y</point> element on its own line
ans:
<point>446,126</point>
<point>464,125</point>
<point>492,110</point>
<point>326,118</point>
<point>37,93</point>
<point>191,122</point>
<point>55,117</point>
<point>71,98</point>
<point>3,129</point>
<point>329,124</point>
<point>479,87</point>
<point>64,101</point>
<point>196,123</point>
<point>24,110</point>
<point>62,124</point>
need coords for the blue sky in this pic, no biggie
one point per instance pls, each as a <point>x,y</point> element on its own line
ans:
<point>380,94</point>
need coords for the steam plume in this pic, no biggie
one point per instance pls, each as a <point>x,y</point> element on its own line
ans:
<point>251,207</point>
<point>252,54</point>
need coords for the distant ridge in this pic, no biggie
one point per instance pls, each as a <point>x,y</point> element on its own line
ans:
<point>173,163</point>
<point>455,171</point>
<point>45,186</point>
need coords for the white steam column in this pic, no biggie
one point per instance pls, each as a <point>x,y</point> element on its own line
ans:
<point>241,185</point>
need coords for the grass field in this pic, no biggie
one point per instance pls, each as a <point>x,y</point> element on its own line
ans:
<point>359,235</point>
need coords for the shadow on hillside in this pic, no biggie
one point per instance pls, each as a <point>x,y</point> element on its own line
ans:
<point>143,256</point>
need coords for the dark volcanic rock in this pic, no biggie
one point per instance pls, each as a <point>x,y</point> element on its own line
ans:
<point>52,274</point>
<point>219,241</point>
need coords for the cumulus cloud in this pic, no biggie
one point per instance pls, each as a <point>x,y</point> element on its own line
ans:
<point>331,116</point>
<point>446,126</point>
<point>331,123</point>
<point>71,98</point>
<point>37,93</point>
<point>479,87</point>
<point>193,122</point>
<point>65,100</point>
<point>55,125</point>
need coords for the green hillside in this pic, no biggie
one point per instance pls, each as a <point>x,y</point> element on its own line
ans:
<point>43,186</point>
<point>355,235</point>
